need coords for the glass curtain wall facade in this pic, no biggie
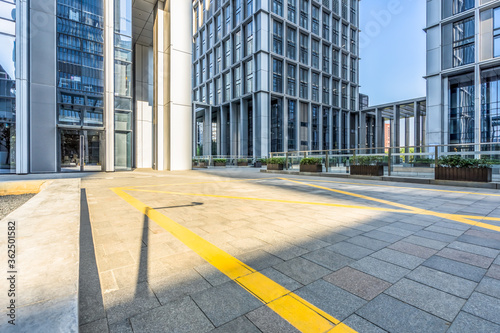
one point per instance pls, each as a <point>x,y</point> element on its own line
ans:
<point>462,112</point>
<point>7,86</point>
<point>490,109</point>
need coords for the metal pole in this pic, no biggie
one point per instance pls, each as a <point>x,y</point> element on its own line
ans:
<point>389,163</point>
<point>327,162</point>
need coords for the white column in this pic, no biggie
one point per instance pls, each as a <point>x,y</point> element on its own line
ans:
<point>109,83</point>
<point>159,86</point>
<point>22,87</point>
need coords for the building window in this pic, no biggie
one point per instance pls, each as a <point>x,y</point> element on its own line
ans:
<point>462,5</point>
<point>353,12</point>
<point>210,65</point>
<point>237,46</point>
<point>315,127</point>
<point>354,76</point>
<point>211,94</point>
<point>227,51</point>
<point>277,76</point>
<point>303,83</point>
<point>227,28</point>
<point>335,6</point>
<point>237,12</point>
<point>335,62</point>
<point>463,42</point>
<point>496,32</point>
<point>292,112</point>
<point>353,98</point>
<point>326,90</point>
<point>326,26</point>
<point>315,53</point>
<point>461,125</point>
<point>249,76</point>
<point>315,20</point>
<point>210,35</point>
<point>315,87</point>
<point>344,66</point>
<point>326,59</point>
<point>203,42</point>
<point>278,37</point>
<point>291,80</point>
<point>218,62</point>
<point>304,54</point>
<point>344,10</point>
<point>291,51</point>
<point>353,42</point>
<point>335,31</point>
<point>249,38</point>
<point>227,84</point>
<point>490,109</point>
<point>249,7</point>
<point>276,126</point>
<point>218,22</point>
<point>237,82</point>
<point>304,14</point>
<point>218,91</point>
<point>304,126</point>
<point>326,129</point>
<point>291,10</point>
<point>335,91</point>
<point>278,7</point>
<point>344,96</point>
<point>345,30</point>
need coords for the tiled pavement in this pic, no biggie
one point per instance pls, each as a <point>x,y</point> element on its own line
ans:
<point>375,271</point>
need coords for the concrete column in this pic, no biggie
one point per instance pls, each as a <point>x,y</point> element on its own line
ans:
<point>207,131</point>
<point>379,129</point>
<point>396,128</point>
<point>362,130</point>
<point>285,125</point>
<point>416,124</point>
<point>22,87</point>
<point>262,130</point>
<point>223,134</point>
<point>234,111</point>
<point>109,86</point>
<point>159,27</point>
<point>407,132</point>
<point>243,130</point>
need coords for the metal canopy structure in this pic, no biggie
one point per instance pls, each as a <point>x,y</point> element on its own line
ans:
<point>406,108</point>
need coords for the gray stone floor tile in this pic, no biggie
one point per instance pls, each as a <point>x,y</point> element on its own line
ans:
<point>331,237</point>
<point>395,316</point>
<point>281,279</point>
<point>269,321</point>
<point>398,258</point>
<point>328,259</point>
<point>436,302</point>
<point>483,306</point>
<point>98,326</point>
<point>360,325</point>
<point>350,250</point>
<point>383,236</point>
<point>422,241</point>
<point>484,233</point>
<point>491,243</point>
<point>181,315</point>
<point>497,261</point>
<point>331,299</point>
<point>350,232</point>
<point>443,281</point>
<point>358,283</point>
<point>413,249</point>
<point>369,243</point>
<point>259,259</point>
<point>455,268</point>
<point>175,286</point>
<point>223,303</point>
<point>121,327</point>
<point>453,225</point>
<point>240,325</point>
<point>489,286</point>
<point>212,274</point>
<point>396,231</point>
<point>381,269</point>
<point>465,257</point>
<point>302,270</point>
<point>465,323</point>
<point>494,272</point>
<point>406,226</point>
<point>286,251</point>
<point>476,249</point>
<point>446,231</point>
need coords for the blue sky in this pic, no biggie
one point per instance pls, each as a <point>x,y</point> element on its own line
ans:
<point>392,49</point>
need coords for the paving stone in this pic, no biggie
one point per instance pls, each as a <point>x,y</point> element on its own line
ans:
<point>436,302</point>
<point>396,231</point>
<point>456,268</point>
<point>360,325</point>
<point>178,285</point>
<point>223,303</point>
<point>121,327</point>
<point>281,279</point>
<point>358,283</point>
<point>446,231</point>
<point>465,257</point>
<point>380,269</point>
<point>406,226</point>
<point>331,237</point>
<point>466,322</point>
<point>328,259</point>
<point>98,326</point>
<point>286,251</point>
<point>212,274</point>
<point>484,234</point>
<point>430,243</point>
<point>302,270</point>
<point>395,316</point>
<point>269,321</point>
<point>383,236</point>
<point>497,261</point>
<point>494,272</point>
<point>443,281</point>
<point>412,249</point>
<point>259,259</point>
<point>349,232</point>
<point>177,316</point>
<point>398,258</point>
<point>331,299</point>
<point>453,225</point>
<point>350,250</point>
<point>369,243</point>
<point>240,324</point>
<point>489,286</point>
<point>483,306</point>
<point>436,236</point>
<point>491,243</point>
<point>476,249</point>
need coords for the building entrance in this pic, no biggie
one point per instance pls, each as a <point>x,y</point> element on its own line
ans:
<point>81,150</point>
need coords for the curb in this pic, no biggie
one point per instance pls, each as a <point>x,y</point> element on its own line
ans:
<point>22,187</point>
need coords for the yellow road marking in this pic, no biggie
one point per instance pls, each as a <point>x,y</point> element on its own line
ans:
<point>409,188</point>
<point>297,311</point>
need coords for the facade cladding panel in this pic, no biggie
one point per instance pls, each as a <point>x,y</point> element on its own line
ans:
<point>284,62</point>
<point>463,78</point>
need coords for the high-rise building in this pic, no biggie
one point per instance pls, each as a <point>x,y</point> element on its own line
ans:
<point>463,71</point>
<point>274,76</point>
<point>95,85</point>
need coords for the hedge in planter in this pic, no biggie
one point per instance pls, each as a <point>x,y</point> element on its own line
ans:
<point>242,162</point>
<point>311,164</point>
<point>455,167</point>
<point>220,162</point>
<point>367,165</point>
<point>275,163</point>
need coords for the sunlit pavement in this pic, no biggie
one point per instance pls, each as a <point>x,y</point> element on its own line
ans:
<point>235,250</point>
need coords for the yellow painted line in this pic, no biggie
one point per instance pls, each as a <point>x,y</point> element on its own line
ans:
<point>297,311</point>
<point>205,182</point>
<point>475,217</point>
<point>273,200</point>
<point>404,187</point>
<point>22,187</point>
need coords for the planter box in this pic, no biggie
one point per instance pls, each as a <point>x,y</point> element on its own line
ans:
<point>463,174</point>
<point>421,165</point>
<point>258,165</point>
<point>367,170</point>
<point>275,167</point>
<point>219,164</point>
<point>201,165</point>
<point>311,168</point>
<point>242,163</point>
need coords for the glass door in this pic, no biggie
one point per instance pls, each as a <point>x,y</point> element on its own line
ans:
<point>70,151</point>
<point>81,150</point>
<point>92,151</point>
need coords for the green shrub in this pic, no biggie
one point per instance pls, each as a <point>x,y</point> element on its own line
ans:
<point>311,161</point>
<point>220,160</point>
<point>276,160</point>
<point>366,160</point>
<point>457,161</point>
<point>242,160</point>
<point>423,160</point>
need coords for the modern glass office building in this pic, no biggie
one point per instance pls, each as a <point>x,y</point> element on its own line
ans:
<point>274,76</point>
<point>85,85</point>
<point>463,71</point>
